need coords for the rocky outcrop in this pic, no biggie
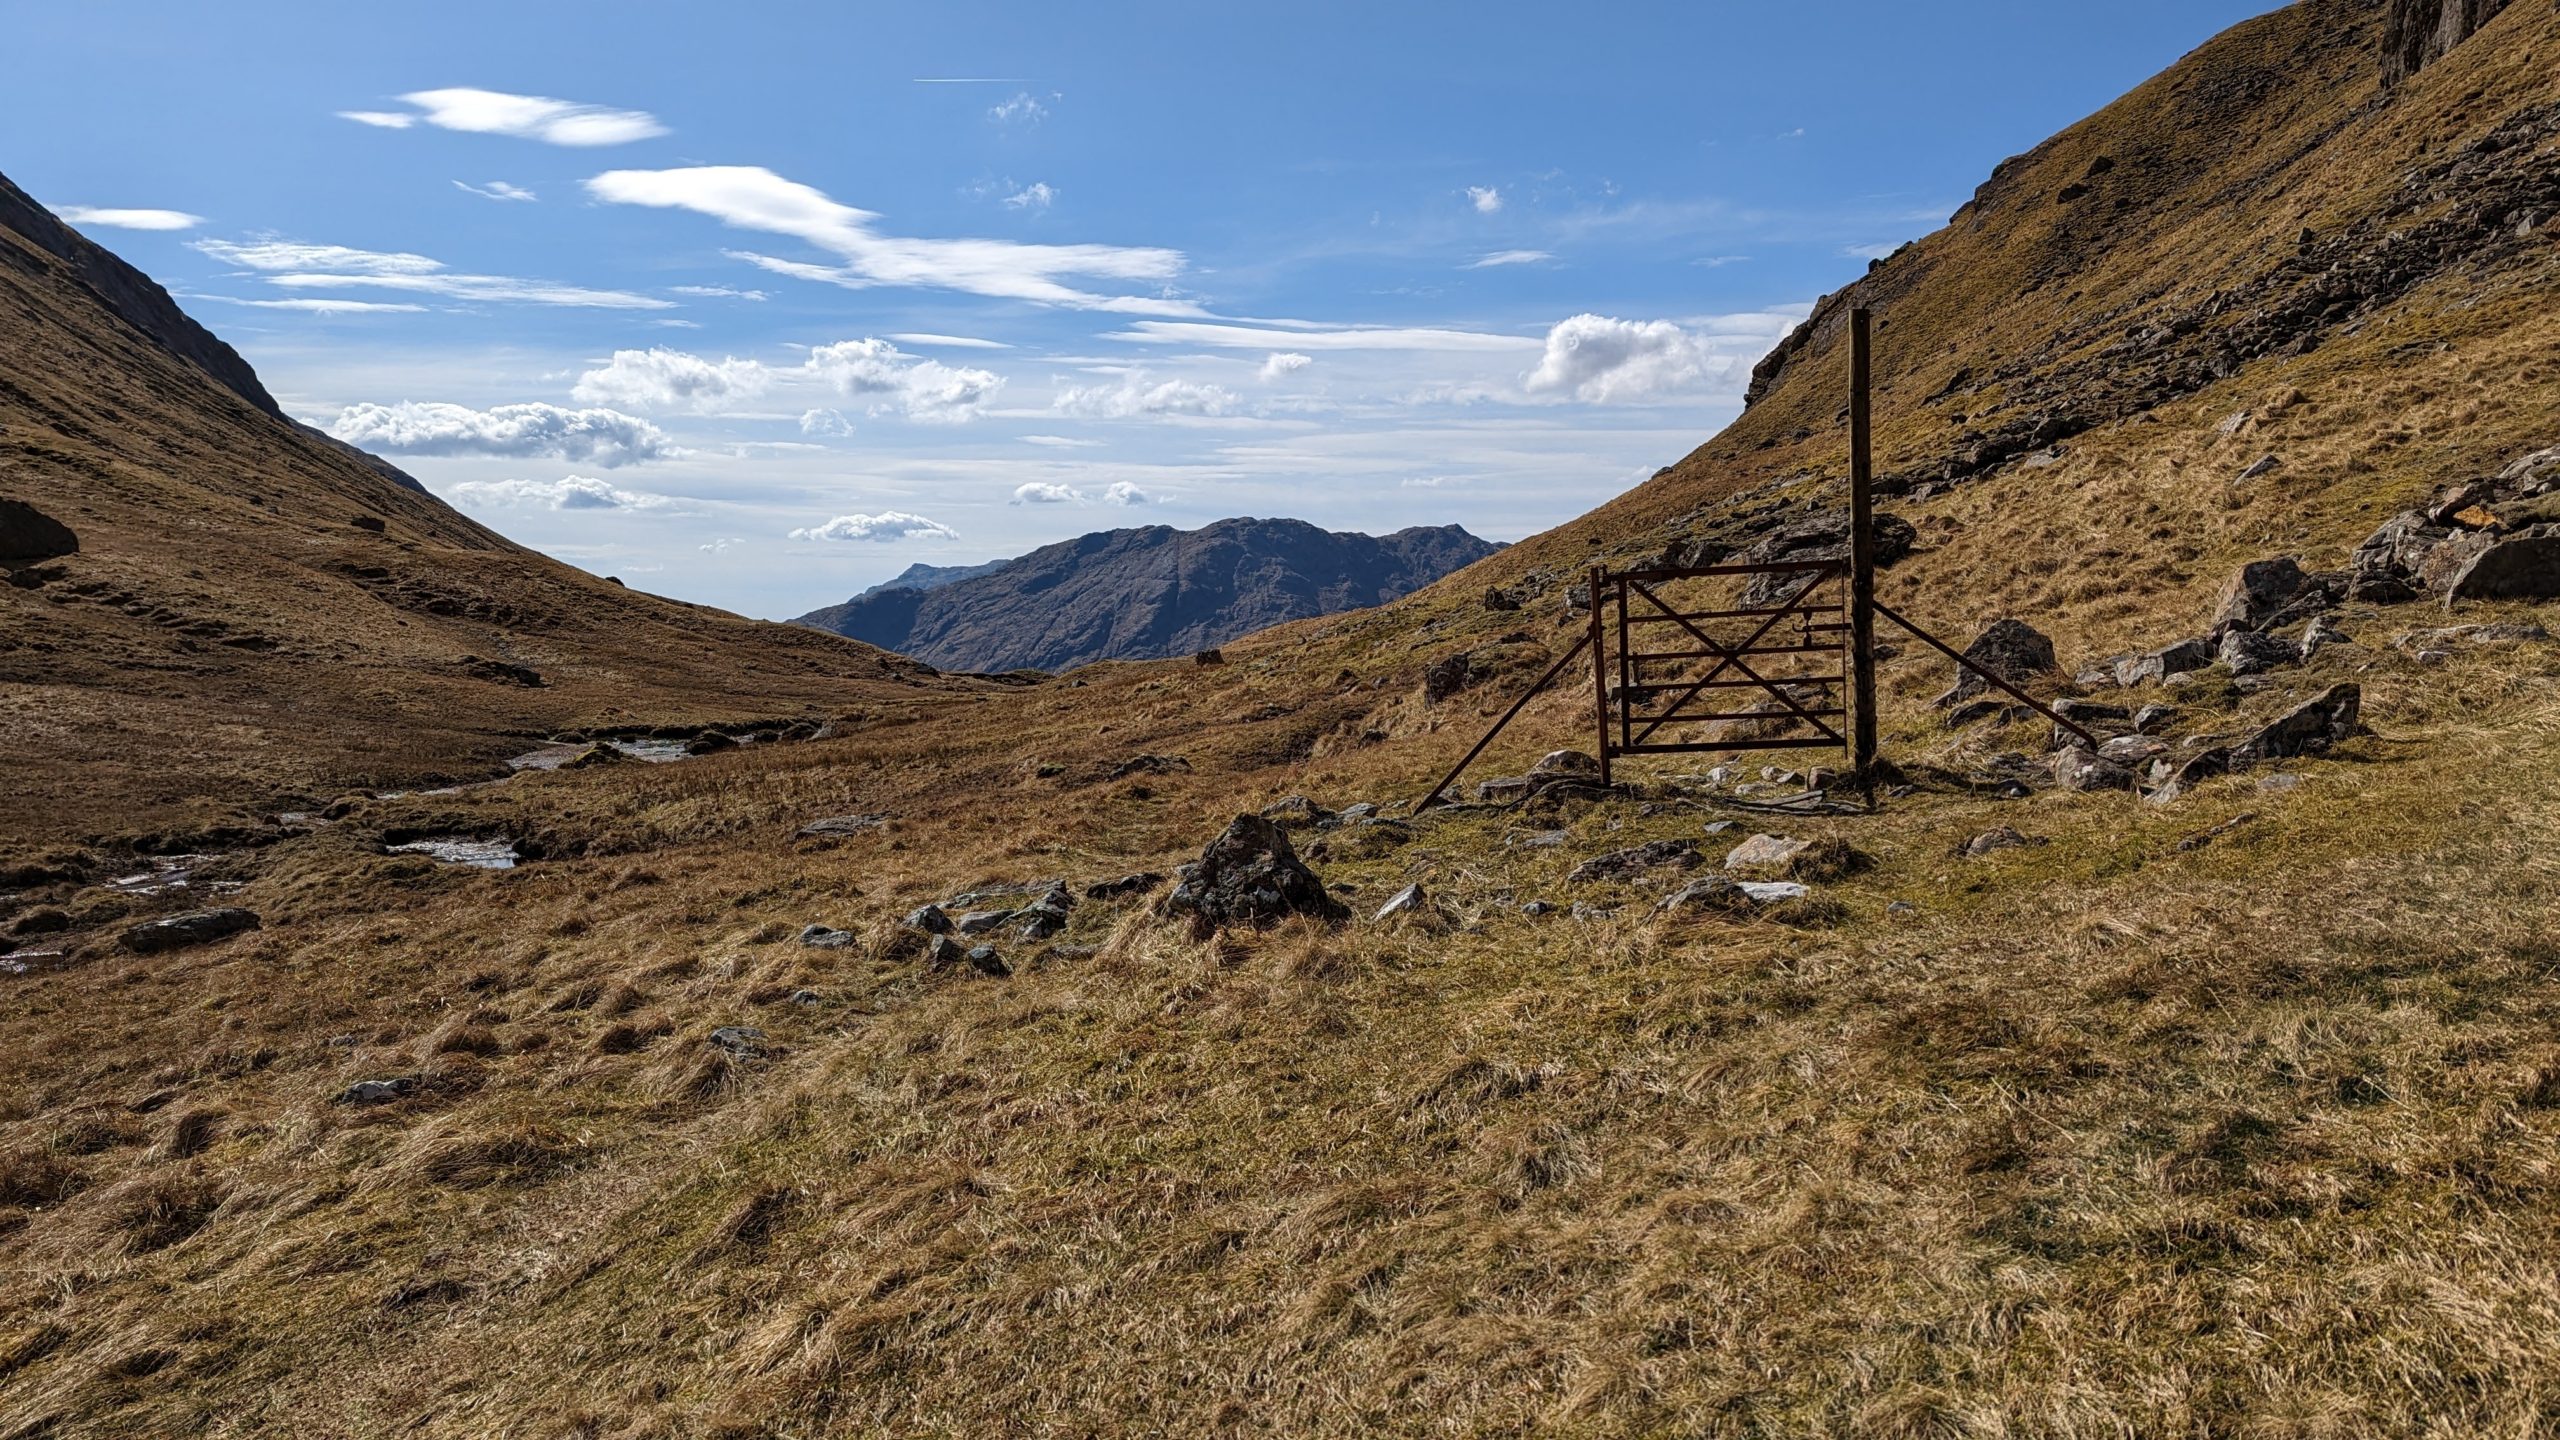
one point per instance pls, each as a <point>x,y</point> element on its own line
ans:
<point>1250,876</point>
<point>2417,33</point>
<point>27,533</point>
<point>2011,649</point>
<point>1145,594</point>
<point>196,927</point>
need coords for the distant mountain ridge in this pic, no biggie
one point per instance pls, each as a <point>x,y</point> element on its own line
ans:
<point>1143,593</point>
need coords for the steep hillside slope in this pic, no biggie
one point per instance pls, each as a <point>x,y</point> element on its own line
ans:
<point>253,611</point>
<point>1147,593</point>
<point>2045,1112</point>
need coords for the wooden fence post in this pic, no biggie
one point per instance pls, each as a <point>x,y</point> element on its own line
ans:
<point>1862,554</point>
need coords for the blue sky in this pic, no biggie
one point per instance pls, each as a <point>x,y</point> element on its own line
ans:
<point>756,305</point>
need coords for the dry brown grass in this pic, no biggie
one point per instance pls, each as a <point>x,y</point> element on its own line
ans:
<point>2234,1117</point>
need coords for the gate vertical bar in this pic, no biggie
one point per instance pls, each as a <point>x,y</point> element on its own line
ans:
<point>1626,669</point>
<point>1599,676</point>
<point>1862,554</point>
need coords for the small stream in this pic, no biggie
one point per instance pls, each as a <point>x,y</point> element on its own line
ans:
<point>463,850</point>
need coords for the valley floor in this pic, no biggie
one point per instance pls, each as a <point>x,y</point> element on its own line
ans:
<point>2235,1115</point>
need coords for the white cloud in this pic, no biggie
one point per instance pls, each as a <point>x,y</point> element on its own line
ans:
<point>1600,360</point>
<point>725,542</point>
<point>1258,337</point>
<point>824,422</point>
<point>1511,257</point>
<point>887,525</point>
<point>290,255</point>
<point>1284,363</point>
<point>292,265</point>
<point>663,379</point>
<point>496,190</point>
<point>604,437</point>
<point>896,382</point>
<point>1023,109</point>
<point>1135,396</point>
<point>1041,492</point>
<point>314,306</point>
<point>1485,198</point>
<point>1123,492</point>
<point>1880,251</point>
<point>956,342</point>
<point>716,292</point>
<point>750,197</point>
<point>1038,195</point>
<point>920,389</point>
<point>128,219</point>
<point>575,492</point>
<point>526,117</point>
<point>1058,442</point>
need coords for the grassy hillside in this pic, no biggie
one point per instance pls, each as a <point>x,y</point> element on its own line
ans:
<point>254,613</point>
<point>2235,1115</point>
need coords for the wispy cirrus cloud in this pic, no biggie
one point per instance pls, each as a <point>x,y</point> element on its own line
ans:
<point>1023,109</point>
<point>293,265</point>
<point>1501,258</point>
<point>1269,336</point>
<point>595,436</point>
<point>497,190</point>
<point>526,117</point>
<point>127,219</point>
<point>750,197</point>
<point>888,525</point>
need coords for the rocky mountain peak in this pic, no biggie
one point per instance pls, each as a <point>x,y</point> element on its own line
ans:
<point>2418,33</point>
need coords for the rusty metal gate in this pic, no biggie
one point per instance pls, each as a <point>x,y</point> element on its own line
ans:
<point>1784,663</point>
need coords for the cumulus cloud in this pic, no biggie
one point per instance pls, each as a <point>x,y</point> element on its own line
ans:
<point>526,117</point>
<point>1023,109</point>
<point>1510,257</point>
<point>1284,363</point>
<point>1600,360</point>
<point>725,542</point>
<point>1134,395</point>
<point>885,526</point>
<point>1485,198</point>
<point>919,389</point>
<point>292,265</point>
<point>873,369</point>
<point>496,190</point>
<point>128,219</point>
<point>750,197</point>
<point>574,492</point>
<point>1123,492</point>
<point>602,437</point>
<point>663,379</point>
<point>824,422</point>
<point>1041,492</point>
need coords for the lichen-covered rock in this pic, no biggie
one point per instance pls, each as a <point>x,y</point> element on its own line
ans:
<point>1635,860</point>
<point>2308,728</point>
<point>2077,769</point>
<point>1250,876</point>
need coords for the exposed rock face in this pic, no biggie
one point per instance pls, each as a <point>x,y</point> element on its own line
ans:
<point>196,927</point>
<point>2417,33</point>
<point>2524,567</point>
<point>2257,594</point>
<point>1146,593</point>
<point>2010,649</point>
<point>1250,876</point>
<point>27,533</point>
<point>2308,728</point>
<point>1821,536</point>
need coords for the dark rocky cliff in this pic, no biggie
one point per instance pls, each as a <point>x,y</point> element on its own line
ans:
<point>1148,593</point>
<point>2420,32</point>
